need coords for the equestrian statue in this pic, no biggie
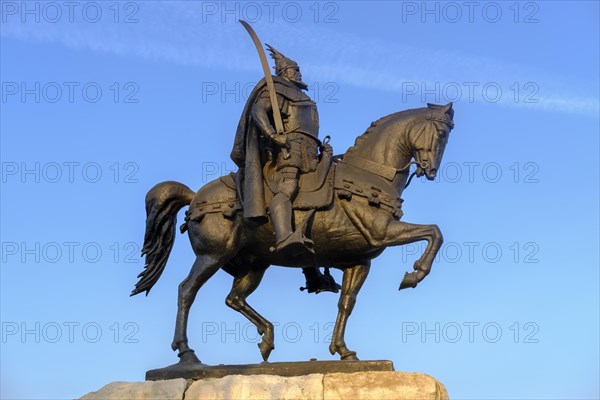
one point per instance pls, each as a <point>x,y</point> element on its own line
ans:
<point>293,204</point>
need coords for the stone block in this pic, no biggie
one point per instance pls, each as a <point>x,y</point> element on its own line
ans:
<point>383,386</point>
<point>258,387</point>
<point>172,389</point>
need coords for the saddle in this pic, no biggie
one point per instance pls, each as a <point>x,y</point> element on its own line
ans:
<point>315,188</point>
<point>346,179</point>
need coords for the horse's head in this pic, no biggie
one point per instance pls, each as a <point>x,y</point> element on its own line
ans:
<point>429,142</point>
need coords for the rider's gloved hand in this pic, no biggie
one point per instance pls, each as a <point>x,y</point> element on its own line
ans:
<point>280,140</point>
<point>327,148</point>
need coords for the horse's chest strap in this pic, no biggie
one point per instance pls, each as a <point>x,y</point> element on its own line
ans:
<point>384,171</point>
<point>378,192</point>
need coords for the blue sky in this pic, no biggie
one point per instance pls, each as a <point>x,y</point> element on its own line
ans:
<point>100,101</point>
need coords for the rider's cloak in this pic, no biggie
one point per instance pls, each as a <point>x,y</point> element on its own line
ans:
<point>246,152</point>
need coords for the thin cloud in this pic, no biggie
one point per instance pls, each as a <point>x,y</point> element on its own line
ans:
<point>177,34</point>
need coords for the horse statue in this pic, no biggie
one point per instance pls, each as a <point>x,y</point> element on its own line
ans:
<point>357,217</point>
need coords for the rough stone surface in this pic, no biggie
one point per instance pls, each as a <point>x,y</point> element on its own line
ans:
<point>160,390</point>
<point>333,386</point>
<point>383,386</point>
<point>258,387</point>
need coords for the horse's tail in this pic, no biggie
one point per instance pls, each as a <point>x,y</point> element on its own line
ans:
<point>163,202</point>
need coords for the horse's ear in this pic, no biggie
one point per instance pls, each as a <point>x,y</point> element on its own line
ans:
<point>448,110</point>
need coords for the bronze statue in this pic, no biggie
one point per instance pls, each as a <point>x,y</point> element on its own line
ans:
<point>277,152</point>
<point>345,210</point>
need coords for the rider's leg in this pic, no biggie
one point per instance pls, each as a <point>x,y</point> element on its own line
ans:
<point>280,207</point>
<point>317,282</point>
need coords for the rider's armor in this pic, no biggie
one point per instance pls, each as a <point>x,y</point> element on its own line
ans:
<point>302,116</point>
<point>301,125</point>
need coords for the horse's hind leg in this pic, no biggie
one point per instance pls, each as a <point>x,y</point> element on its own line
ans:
<point>203,269</point>
<point>243,286</point>
<point>352,282</point>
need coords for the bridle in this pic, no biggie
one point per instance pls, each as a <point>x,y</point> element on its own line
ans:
<point>422,164</point>
<point>386,171</point>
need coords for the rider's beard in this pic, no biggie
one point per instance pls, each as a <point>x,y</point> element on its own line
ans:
<point>296,79</point>
<point>300,84</point>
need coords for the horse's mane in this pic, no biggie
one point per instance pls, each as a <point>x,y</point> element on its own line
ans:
<point>407,115</point>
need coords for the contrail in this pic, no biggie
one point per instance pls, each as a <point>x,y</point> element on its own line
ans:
<point>175,33</point>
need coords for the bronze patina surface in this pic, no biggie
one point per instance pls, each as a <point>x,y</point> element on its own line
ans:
<point>298,368</point>
<point>292,203</point>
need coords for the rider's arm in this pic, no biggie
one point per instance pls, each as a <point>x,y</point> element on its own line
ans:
<point>260,115</point>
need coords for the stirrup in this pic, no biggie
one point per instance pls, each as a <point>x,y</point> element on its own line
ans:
<point>295,243</point>
<point>324,283</point>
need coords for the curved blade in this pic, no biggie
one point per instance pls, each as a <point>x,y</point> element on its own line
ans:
<point>268,78</point>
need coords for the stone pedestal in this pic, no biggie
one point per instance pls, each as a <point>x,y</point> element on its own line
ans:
<point>372,385</point>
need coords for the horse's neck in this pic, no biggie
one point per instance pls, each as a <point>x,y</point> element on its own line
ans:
<point>387,147</point>
<point>383,147</point>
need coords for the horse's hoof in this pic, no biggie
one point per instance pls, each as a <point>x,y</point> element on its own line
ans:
<point>265,349</point>
<point>350,356</point>
<point>409,281</point>
<point>332,349</point>
<point>188,356</point>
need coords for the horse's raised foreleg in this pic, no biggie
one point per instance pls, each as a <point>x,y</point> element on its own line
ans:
<point>353,280</point>
<point>400,233</point>
<point>204,267</point>
<point>243,286</point>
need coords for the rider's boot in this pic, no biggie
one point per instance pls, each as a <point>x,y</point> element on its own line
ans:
<point>317,282</point>
<point>286,239</point>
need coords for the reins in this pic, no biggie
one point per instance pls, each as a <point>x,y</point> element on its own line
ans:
<point>422,164</point>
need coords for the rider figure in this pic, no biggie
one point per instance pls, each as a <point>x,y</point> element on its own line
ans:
<point>293,152</point>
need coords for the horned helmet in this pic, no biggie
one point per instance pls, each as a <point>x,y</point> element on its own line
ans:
<point>281,62</point>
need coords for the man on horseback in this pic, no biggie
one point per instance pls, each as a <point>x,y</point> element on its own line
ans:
<point>287,154</point>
